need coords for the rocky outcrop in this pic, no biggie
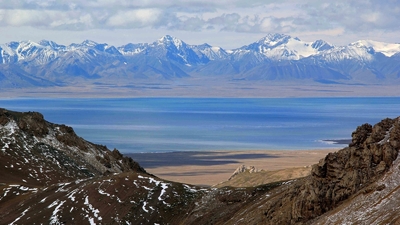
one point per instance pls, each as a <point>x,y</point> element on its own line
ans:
<point>28,140</point>
<point>335,178</point>
<point>50,175</point>
<point>243,169</point>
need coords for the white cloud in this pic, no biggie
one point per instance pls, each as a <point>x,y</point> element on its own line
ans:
<point>320,18</point>
<point>134,18</point>
<point>49,19</point>
<point>232,15</point>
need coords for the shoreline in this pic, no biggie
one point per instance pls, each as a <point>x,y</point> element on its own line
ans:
<point>202,89</point>
<point>208,168</point>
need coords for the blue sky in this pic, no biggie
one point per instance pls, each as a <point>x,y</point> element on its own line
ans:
<point>224,23</point>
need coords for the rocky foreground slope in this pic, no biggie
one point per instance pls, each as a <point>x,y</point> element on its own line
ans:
<point>48,175</point>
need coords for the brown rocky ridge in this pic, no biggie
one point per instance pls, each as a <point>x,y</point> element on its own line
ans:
<point>49,175</point>
<point>250,176</point>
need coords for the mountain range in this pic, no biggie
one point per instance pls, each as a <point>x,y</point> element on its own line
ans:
<point>273,58</point>
<point>49,175</point>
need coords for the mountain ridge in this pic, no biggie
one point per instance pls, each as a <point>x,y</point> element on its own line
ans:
<point>274,57</point>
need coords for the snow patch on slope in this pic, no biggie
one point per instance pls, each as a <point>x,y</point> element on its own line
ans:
<point>388,49</point>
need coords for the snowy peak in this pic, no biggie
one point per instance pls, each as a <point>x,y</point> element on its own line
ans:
<point>31,51</point>
<point>210,52</point>
<point>388,49</point>
<point>169,40</point>
<point>280,46</point>
<point>89,43</point>
<point>363,51</point>
<point>321,45</point>
<point>51,44</point>
<point>169,56</point>
<point>84,45</point>
<point>174,49</point>
<point>132,49</point>
<point>273,40</point>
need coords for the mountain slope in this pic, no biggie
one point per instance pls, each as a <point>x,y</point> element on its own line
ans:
<point>27,140</point>
<point>284,47</point>
<point>49,175</point>
<point>334,181</point>
<point>275,57</point>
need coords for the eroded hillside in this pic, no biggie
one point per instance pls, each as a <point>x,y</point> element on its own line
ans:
<point>49,175</point>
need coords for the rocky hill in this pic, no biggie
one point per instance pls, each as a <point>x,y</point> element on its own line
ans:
<point>251,177</point>
<point>48,175</point>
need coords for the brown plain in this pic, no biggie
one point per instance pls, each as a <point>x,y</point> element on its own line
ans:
<point>282,163</point>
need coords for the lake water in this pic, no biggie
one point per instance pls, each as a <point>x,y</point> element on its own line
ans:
<point>196,124</point>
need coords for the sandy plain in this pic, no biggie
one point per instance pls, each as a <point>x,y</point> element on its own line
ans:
<point>212,167</point>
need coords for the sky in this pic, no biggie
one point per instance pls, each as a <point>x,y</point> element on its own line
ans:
<point>225,23</point>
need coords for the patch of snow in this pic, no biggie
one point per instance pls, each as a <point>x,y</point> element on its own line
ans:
<point>147,188</point>
<point>119,200</point>
<point>190,189</point>
<point>11,127</point>
<point>23,214</point>
<point>287,182</point>
<point>388,49</point>
<point>91,221</point>
<point>387,136</point>
<point>103,193</point>
<point>5,192</point>
<point>54,216</point>
<point>62,186</point>
<point>144,207</point>
<point>94,210</point>
<point>164,187</point>
<point>71,195</point>
<point>53,204</point>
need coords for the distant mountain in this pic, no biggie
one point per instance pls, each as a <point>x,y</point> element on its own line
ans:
<point>276,57</point>
<point>49,175</point>
<point>283,47</point>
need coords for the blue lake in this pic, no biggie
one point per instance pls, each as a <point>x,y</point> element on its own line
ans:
<point>196,124</point>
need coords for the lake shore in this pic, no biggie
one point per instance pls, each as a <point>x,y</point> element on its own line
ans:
<point>212,167</point>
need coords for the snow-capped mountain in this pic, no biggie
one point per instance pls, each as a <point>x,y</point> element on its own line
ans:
<point>38,53</point>
<point>210,52</point>
<point>132,49</point>
<point>175,49</point>
<point>388,49</point>
<point>284,47</point>
<point>273,57</point>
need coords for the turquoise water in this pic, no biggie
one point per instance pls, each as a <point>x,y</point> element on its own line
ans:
<point>195,124</point>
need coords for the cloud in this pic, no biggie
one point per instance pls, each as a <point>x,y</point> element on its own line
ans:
<point>246,16</point>
<point>45,19</point>
<point>353,16</point>
<point>134,18</point>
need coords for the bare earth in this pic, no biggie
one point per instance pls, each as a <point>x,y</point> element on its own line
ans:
<point>204,88</point>
<point>213,167</point>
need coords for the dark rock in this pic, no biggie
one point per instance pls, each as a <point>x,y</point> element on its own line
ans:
<point>340,175</point>
<point>120,186</point>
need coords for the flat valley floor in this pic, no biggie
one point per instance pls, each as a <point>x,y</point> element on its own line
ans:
<point>213,167</point>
